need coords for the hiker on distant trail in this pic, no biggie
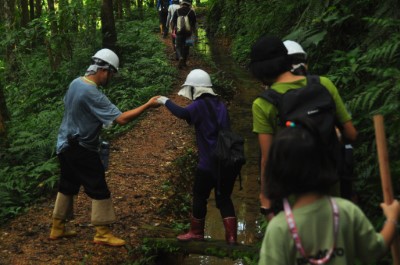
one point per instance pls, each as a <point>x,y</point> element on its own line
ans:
<point>171,11</point>
<point>300,67</point>
<point>162,8</point>
<point>314,227</point>
<point>198,87</point>
<point>271,64</point>
<point>86,111</point>
<point>184,24</point>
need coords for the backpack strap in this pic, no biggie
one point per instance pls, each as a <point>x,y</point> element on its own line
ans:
<point>212,113</point>
<point>272,96</point>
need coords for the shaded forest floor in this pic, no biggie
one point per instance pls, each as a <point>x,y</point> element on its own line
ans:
<point>139,167</point>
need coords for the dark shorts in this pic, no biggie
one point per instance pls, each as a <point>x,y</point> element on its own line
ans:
<point>82,167</point>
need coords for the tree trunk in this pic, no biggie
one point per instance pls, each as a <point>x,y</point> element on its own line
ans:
<point>65,27</point>
<point>118,7</point>
<point>127,4</point>
<point>38,8</point>
<point>108,25</point>
<point>31,10</point>
<point>24,13</point>
<point>53,57</point>
<point>140,8</point>
<point>8,11</point>
<point>3,118</point>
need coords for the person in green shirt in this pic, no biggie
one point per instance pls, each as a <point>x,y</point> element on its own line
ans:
<point>271,64</point>
<point>314,227</point>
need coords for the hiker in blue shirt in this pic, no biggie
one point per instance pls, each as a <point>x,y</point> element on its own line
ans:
<point>86,111</point>
<point>198,87</point>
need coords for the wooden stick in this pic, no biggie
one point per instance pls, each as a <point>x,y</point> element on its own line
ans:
<point>386,180</point>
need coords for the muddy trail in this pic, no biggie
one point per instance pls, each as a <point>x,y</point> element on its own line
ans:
<point>139,166</point>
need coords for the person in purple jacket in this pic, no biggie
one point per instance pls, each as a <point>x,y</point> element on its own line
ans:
<point>198,87</point>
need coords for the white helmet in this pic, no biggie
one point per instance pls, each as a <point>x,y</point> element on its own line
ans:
<point>198,78</point>
<point>294,48</point>
<point>108,56</point>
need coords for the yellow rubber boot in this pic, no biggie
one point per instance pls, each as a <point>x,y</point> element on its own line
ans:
<point>105,237</point>
<point>58,230</point>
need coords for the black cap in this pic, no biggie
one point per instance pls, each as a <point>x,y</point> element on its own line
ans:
<point>269,58</point>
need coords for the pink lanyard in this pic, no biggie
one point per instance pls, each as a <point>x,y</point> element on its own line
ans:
<point>296,237</point>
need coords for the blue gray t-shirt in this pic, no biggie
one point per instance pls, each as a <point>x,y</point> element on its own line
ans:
<point>86,111</point>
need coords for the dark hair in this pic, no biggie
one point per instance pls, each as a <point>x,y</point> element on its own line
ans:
<point>269,58</point>
<point>299,162</point>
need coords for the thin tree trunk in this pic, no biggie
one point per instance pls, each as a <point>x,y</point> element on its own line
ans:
<point>53,57</point>
<point>31,10</point>
<point>8,11</point>
<point>118,7</point>
<point>24,13</point>
<point>38,8</point>
<point>4,117</point>
<point>108,25</point>
<point>128,12</point>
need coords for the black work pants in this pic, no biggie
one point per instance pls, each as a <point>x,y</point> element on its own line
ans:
<point>82,167</point>
<point>182,50</point>
<point>204,183</point>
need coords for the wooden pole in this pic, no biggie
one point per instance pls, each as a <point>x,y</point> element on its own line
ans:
<point>386,180</point>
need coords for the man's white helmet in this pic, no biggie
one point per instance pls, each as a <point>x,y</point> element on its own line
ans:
<point>294,48</point>
<point>108,56</point>
<point>198,78</point>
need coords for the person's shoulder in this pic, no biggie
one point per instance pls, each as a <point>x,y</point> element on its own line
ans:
<point>346,205</point>
<point>278,222</point>
<point>325,81</point>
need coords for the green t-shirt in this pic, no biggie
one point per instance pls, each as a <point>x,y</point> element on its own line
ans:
<point>265,114</point>
<point>357,238</point>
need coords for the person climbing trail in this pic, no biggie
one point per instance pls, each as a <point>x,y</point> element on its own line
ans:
<point>198,88</point>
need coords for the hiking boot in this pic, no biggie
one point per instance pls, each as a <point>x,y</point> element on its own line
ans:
<point>105,237</point>
<point>230,224</point>
<point>196,231</point>
<point>58,230</point>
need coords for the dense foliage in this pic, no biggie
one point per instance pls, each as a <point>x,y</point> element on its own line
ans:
<point>354,43</point>
<point>34,92</point>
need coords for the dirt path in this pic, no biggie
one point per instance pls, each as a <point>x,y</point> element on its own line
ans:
<point>136,174</point>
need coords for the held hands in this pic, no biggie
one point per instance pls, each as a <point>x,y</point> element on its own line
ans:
<point>162,100</point>
<point>153,102</point>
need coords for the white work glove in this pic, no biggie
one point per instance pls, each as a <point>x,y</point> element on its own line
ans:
<point>162,100</point>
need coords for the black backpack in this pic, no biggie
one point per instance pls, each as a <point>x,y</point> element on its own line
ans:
<point>228,154</point>
<point>312,102</point>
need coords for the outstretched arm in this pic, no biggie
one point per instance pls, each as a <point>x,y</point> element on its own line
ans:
<point>176,110</point>
<point>129,115</point>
